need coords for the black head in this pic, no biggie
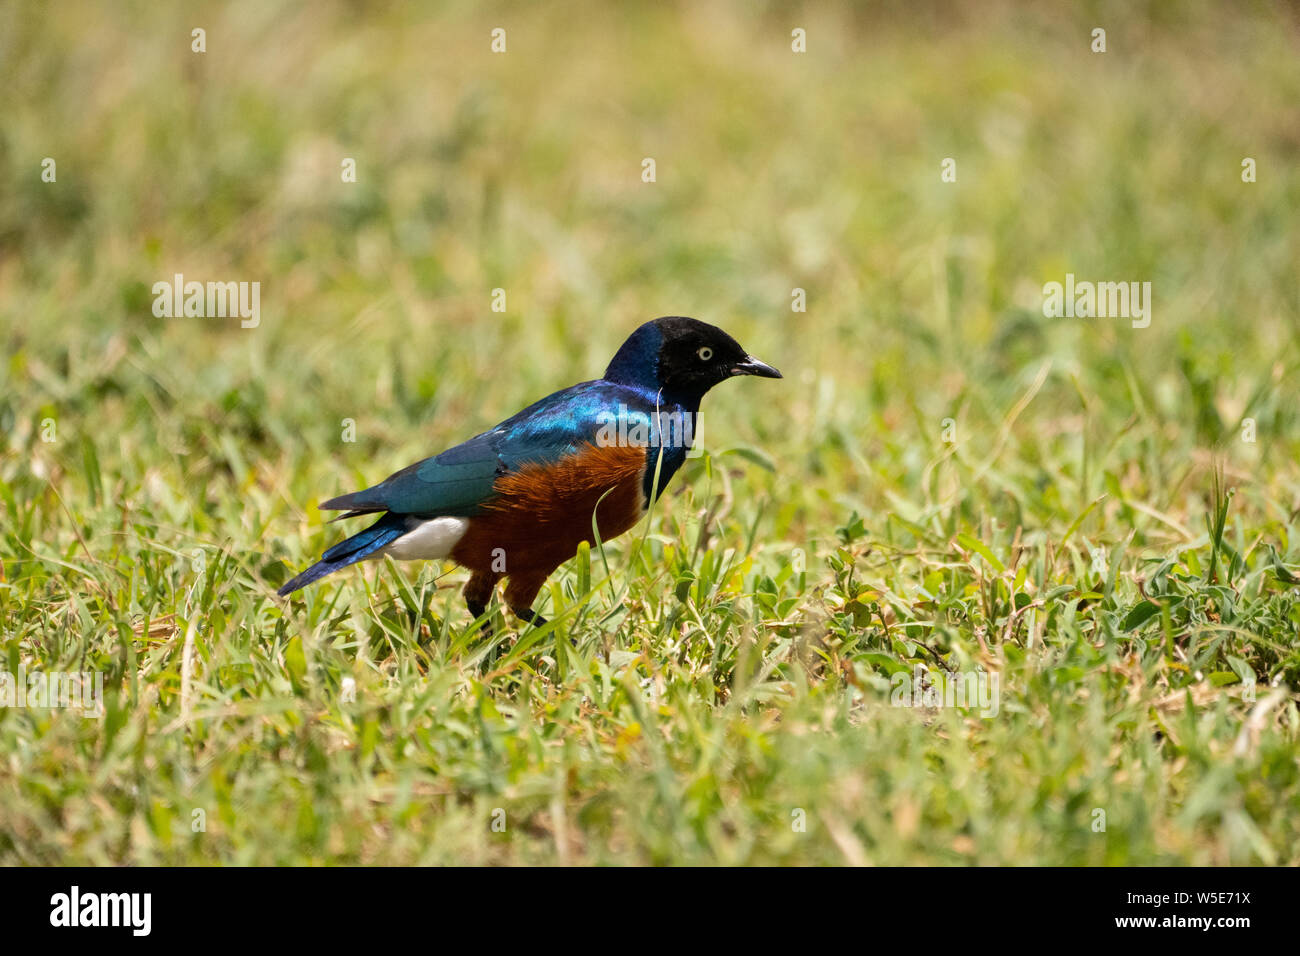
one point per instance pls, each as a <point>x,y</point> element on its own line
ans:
<point>683,358</point>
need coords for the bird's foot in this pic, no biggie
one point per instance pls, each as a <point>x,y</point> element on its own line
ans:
<point>529,616</point>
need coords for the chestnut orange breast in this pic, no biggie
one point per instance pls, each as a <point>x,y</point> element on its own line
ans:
<point>540,513</point>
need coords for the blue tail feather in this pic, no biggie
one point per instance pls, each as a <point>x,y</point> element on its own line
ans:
<point>349,551</point>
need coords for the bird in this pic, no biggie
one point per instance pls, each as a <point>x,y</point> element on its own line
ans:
<point>515,502</point>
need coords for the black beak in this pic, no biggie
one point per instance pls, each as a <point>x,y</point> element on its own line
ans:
<point>752,366</point>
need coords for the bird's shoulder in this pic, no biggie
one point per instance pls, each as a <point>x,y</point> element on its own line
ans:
<point>566,420</point>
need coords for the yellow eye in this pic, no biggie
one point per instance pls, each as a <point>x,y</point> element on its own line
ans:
<point>705,353</point>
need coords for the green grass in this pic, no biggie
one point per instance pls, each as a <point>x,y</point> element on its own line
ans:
<point>1098,533</point>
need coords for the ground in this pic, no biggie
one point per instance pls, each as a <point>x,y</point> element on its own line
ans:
<point>1097,517</point>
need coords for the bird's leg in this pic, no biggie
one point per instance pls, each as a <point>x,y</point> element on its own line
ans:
<point>478,591</point>
<point>476,611</point>
<point>520,594</point>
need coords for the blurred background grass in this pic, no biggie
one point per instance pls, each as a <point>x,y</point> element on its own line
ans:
<point>775,171</point>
